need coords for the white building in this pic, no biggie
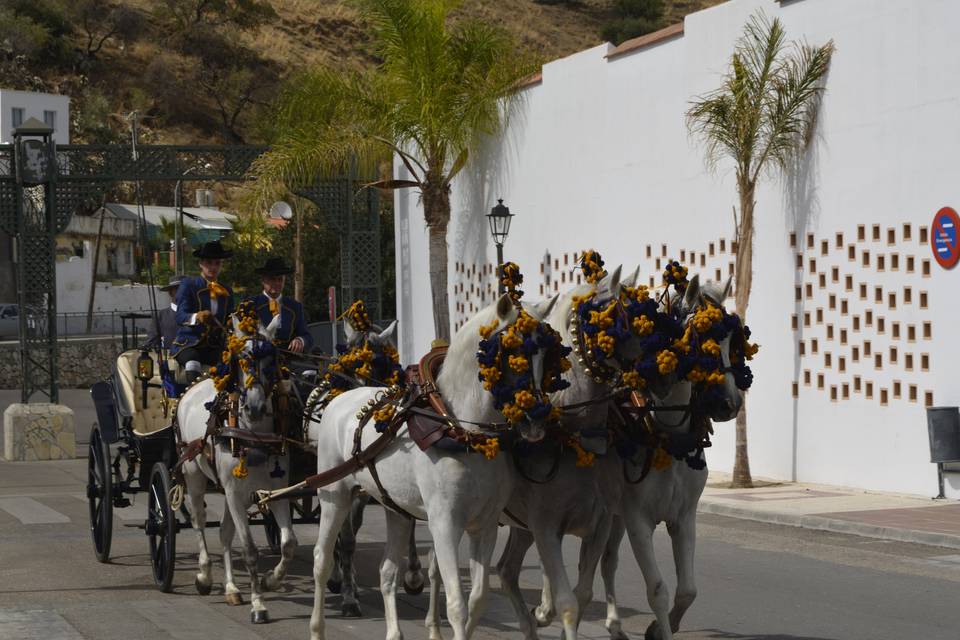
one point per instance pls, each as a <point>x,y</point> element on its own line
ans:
<point>16,107</point>
<point>853,313</point>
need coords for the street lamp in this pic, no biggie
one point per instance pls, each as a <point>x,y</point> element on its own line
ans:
<point>499,218</point>
<point>179,235</point>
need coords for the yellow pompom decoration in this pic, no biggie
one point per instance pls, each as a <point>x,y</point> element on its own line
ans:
<point>240,471</point>
<point>519,364</point>
<point>643,326</point>
<point>385,413</point>
<point>634,380</point>
<point>489,448</point>
<point>584,458</point>
<point>661,459</point>
<point>510,340</point>
<point>487,331</point>
<point>606,343</point>
<point>512,413</point>
<point>705,318</point>
<point>710,347</point>
<point>524,399</point>
<point>751,350</point>
<point>666,361</point>
<point>526,323</point>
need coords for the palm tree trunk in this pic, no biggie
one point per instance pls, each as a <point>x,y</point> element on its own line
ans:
<point>744,281</point>
<point>436,209</point>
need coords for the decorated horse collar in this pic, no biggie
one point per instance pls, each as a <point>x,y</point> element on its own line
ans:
<point>224,375</point>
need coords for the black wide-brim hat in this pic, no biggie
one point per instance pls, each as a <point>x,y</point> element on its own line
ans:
<point>173,284</point>
<point>212,251</point>
<point>274,267</point>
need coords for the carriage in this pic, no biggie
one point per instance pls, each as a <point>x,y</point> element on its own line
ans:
<point>134,447</point>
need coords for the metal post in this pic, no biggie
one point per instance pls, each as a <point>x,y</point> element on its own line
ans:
<point>177,233</point>
<point>941,495</point>
<point>500,288</point>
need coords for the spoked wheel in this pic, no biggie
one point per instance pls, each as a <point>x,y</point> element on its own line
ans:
<point>161,527</point>
<point>100,495</point>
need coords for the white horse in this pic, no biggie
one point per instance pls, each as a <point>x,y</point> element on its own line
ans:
<point>456,493</point>
<point>343,577</point>
<point>670,495</point>
<point>255,415</point>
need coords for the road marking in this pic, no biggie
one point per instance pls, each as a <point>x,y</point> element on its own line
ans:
<point>192,621</point>
<point>29,511</point>
<point>36,625</point>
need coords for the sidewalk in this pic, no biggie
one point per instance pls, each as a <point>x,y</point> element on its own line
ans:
<point>857,512</point>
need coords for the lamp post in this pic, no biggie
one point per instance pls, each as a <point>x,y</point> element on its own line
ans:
<point>499,218</point>
<point>179,235</point>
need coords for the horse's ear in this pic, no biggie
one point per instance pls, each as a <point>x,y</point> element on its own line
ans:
<point>631,280</point>
<point>548,307</point>
<point>692,295</point>
<point>348,332</point>
<point>727,289</point>
<point>506,311</point>
<point>390,332</point>
<point>610,283</point>
<point>271,329</point>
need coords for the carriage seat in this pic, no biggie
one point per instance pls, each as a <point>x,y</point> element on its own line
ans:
<point>143,421</point>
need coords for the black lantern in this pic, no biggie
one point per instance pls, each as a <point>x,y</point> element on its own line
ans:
<point>145,367</point>
<point>499,218</point>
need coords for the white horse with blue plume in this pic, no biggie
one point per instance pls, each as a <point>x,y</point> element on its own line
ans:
<point>227,423</point>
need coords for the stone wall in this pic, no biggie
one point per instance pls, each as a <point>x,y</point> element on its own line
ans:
<point>82,362</point>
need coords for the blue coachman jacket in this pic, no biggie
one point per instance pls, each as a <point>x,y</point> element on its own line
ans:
<point>194,296</point>
<point>293,321</point>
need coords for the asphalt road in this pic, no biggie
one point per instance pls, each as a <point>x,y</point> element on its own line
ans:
<point>756,581</point>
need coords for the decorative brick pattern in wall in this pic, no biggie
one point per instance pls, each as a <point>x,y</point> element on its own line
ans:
<point>862,323</point>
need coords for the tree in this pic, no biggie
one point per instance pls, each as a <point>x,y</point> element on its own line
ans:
<point>186,15</point>
<point>633,18</point>
<point>762,117</point>
<point>439,88</point>
<point>99,22</point>
<point>251,240</point>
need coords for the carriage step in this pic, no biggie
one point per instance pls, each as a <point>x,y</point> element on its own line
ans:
<point>121,502</point>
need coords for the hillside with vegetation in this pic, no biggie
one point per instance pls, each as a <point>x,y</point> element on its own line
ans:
<point>206,70</point>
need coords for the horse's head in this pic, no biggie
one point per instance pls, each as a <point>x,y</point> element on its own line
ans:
<point>252,352</point>
<point>719,348</point>
<point>521,360</point>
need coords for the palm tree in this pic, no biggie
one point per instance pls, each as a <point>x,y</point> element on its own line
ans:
<point>440,87</point>
<point>762,117</point>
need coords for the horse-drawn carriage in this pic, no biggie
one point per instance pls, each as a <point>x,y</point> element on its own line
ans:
<point>135,447</point>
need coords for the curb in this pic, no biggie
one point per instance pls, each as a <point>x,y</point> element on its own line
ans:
<point>833,525</point>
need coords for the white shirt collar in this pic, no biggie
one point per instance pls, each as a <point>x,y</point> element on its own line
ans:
<point>269,298</point>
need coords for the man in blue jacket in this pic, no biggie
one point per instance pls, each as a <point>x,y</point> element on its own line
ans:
<point>203,305</point>
<point>292,334</point>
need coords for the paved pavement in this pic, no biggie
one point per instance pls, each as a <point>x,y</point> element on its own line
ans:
<point>876,515</point>
<point>757,580</point>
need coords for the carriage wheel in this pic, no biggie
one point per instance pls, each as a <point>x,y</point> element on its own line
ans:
<point>161,527</point>
<point>100,495</point>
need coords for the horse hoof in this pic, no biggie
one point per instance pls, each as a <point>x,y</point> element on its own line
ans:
<point>413,583</point>
<point>541,621</point>
<point>202,589</point>
<point>259,616</point>
<point>617,634</point>
<point>233,599</point>
<point>351,610</point>
<point>333,586</point>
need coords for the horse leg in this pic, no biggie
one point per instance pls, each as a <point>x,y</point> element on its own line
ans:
<point>238,509</point>
<point>683,535</point>
<point>481,552</point>
<point>511,562</point>
<point>591,549</point>
<point>608,570</point>
<point>196,487</point>
<point>288,545</point>
<point>397,535</point>
<point>446,541</point>
<point>544,613</point>
<point>335,506</point>
<point>343,563</point>
<point>640,532</point>
<point>413,582</point>
<point>549,541</point>
<point>227,530</point>
<point>433,608</point>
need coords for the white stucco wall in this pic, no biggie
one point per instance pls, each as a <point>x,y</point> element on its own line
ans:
<point>73,291</point>
<point>598,157</point>
<point>34,104</point>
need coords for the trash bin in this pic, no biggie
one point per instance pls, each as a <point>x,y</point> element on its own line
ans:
<point>943,428</point>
